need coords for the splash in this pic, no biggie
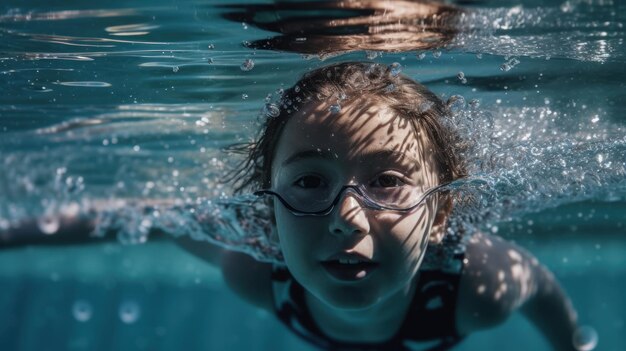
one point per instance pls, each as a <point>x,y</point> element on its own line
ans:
<point>524,162</point>
<point>530,159</point>
<point>520,160</point>
<point>241,223</point>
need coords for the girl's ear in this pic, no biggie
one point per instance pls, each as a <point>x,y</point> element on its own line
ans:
<point>444,208</point>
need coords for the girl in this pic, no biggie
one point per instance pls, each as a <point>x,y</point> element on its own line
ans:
<point>354,162</point>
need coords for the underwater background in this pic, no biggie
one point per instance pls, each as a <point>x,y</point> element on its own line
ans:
<point>110,103</point>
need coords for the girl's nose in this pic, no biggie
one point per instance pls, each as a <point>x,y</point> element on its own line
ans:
<point>348,217</point>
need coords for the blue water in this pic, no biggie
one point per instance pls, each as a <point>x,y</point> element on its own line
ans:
<point>129,101</point>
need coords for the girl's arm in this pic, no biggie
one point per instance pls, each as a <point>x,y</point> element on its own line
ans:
<point>248,278</point>
<point>500,278</point>
<point>64,228</point>
<point>70,227</point>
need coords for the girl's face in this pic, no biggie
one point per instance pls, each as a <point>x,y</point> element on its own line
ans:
<point>364,143</point>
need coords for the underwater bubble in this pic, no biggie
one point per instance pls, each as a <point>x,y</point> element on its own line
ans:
<point>82,311</point>
<point>296,89</point>
<point>535,151</point>
<point>210,46</point>
<point>209,60</point>
<point>395,69</point>
<point>129,312</point>
<point>585,338</point>
<point>479,56</point>
<point>509,64</point>
<point>456,103</point>
<point>389,88</point>
<point>421,55</point>
<point>244,96</point>
<point>244,25</point>
<point>48,224</point>
<point>74,185</point>
<point>280,92</point>
<point>437,54</point>
<point>271,110</point>
<point>461,77</point>
<point>175,69</point>
<point>371,54</point>
<point>567,7</point>
<point>335,108</point>
<point>247,65</point>
<point>474,103</point>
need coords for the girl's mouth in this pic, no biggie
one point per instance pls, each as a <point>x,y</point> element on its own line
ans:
<point>349,269</point>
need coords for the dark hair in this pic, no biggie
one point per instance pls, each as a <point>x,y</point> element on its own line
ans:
<point>348,81</point>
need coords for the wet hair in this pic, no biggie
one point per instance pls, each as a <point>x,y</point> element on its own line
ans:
<point>347,82</point>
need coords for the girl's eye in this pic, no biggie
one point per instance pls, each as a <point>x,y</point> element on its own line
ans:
<point>387,181</point>
<point>309,182</point>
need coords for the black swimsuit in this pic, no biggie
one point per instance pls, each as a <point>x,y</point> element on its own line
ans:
<point>429,324</point>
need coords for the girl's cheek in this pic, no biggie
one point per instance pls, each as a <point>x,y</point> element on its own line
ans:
<point>394,219</point>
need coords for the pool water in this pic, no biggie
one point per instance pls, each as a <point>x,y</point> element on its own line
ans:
<point>130,100</point>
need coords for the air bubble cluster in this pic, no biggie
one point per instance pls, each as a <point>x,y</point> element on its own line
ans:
<point>456,104</point>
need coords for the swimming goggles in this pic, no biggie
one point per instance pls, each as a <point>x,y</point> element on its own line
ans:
<point>319,203</point>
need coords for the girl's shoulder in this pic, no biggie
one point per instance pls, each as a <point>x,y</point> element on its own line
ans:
<point>248,278</point>
<point>497,279</point>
